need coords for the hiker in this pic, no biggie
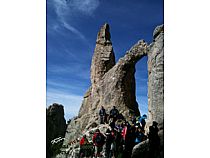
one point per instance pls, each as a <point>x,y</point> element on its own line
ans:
<point>139,135</point>
<point>114,113</point>
<point>154,140</point>
<point>124,130</point>
<point>98,141</point>
<point>113,145</point>
<point>132,138</point>
<point>102,114</point>
<point>121,117</point>
<point>109,141</point>
<point>83,151</point>
<point>119,143</point>
<point>133,119</point>
<point>112,123</point>
<point>142,121</point>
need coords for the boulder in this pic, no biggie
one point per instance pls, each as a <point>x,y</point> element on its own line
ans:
<point>56,126</point>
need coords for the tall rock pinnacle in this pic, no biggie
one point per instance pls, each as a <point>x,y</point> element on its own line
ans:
<point>103,59</point>
<point>111,84</point>
<point>104,35</point>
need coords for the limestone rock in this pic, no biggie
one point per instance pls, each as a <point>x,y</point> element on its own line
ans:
<point>155,92</point>
<point>114,84</point>
<point>156,78</point>
<point>56,125</point>
<point>103,58</point>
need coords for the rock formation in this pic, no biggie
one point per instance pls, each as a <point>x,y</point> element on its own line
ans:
<point>56,125</point>
<point>114,85</point>
<point>156,76</point>
<point>155,91</point>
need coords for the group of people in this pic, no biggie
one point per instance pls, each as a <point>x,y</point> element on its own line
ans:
<point>104,117</point>
<point>121,137</point>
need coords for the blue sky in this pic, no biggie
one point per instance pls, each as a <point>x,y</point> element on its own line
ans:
<point>72,27</point>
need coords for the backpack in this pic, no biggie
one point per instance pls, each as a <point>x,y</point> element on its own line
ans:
<point>99,138</point>
<point>114,112</point>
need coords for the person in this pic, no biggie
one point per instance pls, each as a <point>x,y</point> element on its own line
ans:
<point>119,143</point>
<point>113,145</point>
<point>154,140</point>
<point>109,141</point>
<point>139,135</point>
<point>83,142</point>
<point>125,126</point>
<point>114,113</point>
<point>133,119</point>
<point>102,114</point>
<point>129,141</point>
<point>142,121</point>
<point>121,117</point>
<point>112,123</point>
<point>98,141</point>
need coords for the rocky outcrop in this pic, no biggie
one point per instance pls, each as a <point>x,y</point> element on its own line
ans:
<point>56,125</point>
<point>155,92</point>
<point>103,58</point>
<point>102,61</point>
<point>114,85</point>
<point>156,77</point>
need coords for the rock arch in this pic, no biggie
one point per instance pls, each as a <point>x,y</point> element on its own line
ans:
<point>114,84</point>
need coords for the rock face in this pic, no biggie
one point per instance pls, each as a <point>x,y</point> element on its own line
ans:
<point>155,92</point>
<point>56,125</point>
<point>156,77</point>
<point>103,59</point>
<point>114,85</point>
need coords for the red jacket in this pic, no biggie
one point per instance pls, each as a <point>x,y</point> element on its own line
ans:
<point>83,141</point>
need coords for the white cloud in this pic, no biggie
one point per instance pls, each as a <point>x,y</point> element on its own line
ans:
<point>66,8</point>
<point>72,29</point>
<point>85,6</point>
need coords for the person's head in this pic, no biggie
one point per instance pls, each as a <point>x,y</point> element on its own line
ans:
<point>144,116</point>
<point>84,136</point>
<point>150,128</point>
<point>97,130</point>
<point>154,123</point>
<point>114,107</point>
<point>102,107</point>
